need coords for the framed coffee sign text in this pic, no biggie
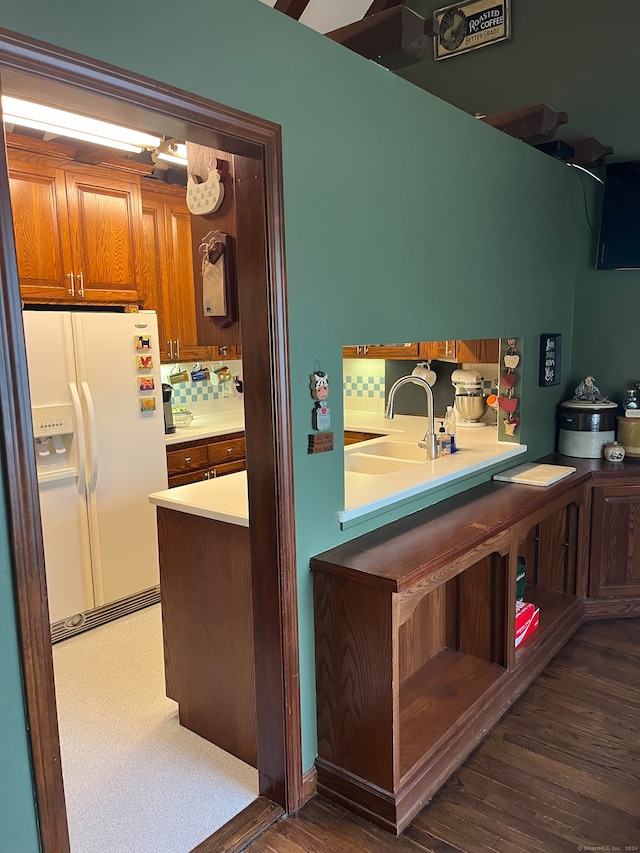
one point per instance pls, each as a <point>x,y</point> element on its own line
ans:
<point>466,26</point>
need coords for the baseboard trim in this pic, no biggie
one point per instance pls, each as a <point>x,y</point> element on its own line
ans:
<point>243,829</point>
<point>612,608</point>
<point>309,785</point>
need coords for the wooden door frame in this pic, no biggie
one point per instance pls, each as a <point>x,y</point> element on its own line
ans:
<point>267,426</point>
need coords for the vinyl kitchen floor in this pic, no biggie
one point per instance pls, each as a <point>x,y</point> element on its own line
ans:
<point>135,780</point>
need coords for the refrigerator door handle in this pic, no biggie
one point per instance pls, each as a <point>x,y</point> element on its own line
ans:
<point>93,437</point>
<point>79,435</point>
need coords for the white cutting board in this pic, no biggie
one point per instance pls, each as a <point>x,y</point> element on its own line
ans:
<point>535,474</point>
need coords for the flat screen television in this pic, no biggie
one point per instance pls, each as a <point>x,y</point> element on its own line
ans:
<point>619,240</point>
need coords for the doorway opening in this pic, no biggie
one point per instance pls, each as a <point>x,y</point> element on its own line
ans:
<point>28,67</point>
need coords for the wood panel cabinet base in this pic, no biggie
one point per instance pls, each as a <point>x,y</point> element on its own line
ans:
<point>207,626</point>
<point>394,810</point>
<point>612,608</point>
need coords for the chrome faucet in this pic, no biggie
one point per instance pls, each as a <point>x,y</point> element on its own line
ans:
<point>429,440</point>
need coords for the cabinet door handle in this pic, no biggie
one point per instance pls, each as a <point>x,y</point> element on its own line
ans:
<point>170,348</point>
<point>81,285</point>
<point>72,289</point>
<point>177,343</point>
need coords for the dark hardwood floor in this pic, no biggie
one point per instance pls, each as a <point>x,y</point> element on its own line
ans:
<point>560,772</point>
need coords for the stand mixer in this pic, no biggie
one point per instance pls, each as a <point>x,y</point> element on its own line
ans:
<point>469,402</point>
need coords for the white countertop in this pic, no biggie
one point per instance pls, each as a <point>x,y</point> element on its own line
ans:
<point>225,498</point>
<point>478,448</point>
<point>208,426</point>
<point>221,499</point>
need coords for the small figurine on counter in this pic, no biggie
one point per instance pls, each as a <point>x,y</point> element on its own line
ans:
<point>589,391</point>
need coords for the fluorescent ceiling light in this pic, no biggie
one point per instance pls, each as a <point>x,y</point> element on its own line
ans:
<point>62,123</point>
<point>175,153</point>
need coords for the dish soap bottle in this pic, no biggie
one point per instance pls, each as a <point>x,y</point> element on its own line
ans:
<point>450,425</point>
<point>443,441</point>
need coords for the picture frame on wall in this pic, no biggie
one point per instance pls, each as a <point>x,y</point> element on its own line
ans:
<point>550,359</point>
<point>466,26</point>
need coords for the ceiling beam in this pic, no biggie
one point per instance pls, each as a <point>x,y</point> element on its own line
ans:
<point>530,124</point>
<point>292,8</point>
<point>589,152</point>
<point>395,37</point>
<point>381,5</point>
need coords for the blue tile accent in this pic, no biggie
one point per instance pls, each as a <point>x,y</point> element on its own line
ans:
<point>360,386</point>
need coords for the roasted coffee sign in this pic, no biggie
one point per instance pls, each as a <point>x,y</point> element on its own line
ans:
<point>466,26</point>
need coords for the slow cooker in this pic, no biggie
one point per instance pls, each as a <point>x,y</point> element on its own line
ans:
<point>585,427</point>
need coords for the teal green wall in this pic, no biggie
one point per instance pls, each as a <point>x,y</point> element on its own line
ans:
<point>405,218</point>
<point>563,55</point>
<point>18,832</point>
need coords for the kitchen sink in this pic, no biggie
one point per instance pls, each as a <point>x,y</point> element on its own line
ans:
<point>367,463</point>
<point>397,450</point>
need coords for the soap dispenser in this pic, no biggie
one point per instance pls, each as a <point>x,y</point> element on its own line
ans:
<point>443,441</point>
<point>450,426</point>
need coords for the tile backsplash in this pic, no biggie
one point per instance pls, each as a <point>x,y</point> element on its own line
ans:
<point>206,397</point>
<point>363,384</point>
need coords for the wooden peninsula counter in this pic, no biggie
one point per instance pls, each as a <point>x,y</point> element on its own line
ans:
<point>207,611</point>
<point>414,625</point>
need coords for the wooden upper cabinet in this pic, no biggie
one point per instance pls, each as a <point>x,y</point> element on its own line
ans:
<point>104,215</point>
<point>77,232</point>
<point>390,351</point>
<point>38,202</point>
<point>481,351</point>
<point>168,285</point>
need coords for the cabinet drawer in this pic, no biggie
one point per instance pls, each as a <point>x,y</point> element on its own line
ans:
<point>191,477</point>
<point>226,451</point>
<point>190,459</point>
<point>227,468</point>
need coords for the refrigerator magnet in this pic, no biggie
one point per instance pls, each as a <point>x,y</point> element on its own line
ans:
<point>142,341</point>
<point>144,362</point>
<point>147,404</point>
<point>146,383</point>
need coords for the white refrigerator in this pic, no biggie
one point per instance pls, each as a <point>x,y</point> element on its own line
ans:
<point>96,398</point>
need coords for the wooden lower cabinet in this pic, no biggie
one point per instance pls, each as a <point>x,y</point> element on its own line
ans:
<point>614,580</point>
<point>414,627</point>
<point>204,459</point>
<point>353,436</point>
<point>207,625</point>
